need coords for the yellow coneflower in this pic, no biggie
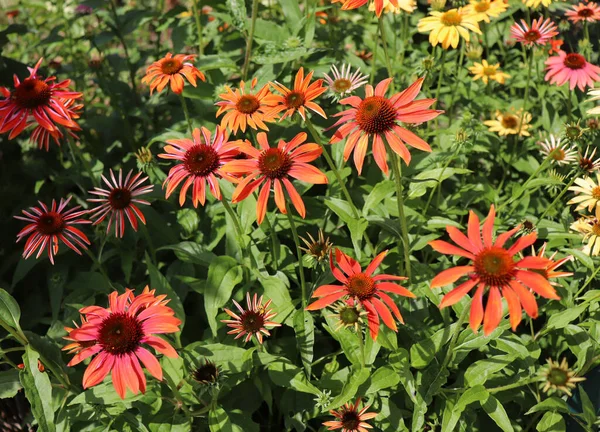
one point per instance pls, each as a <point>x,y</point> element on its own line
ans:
<point>407,6</point>
<point>557,377</point>
<point>589,226</point>
<point>535,3</point>
<point>509,123</point>
<point>486,72</point>
<point>483,10</point>
<point>448,27</point>
<point>587,193</point>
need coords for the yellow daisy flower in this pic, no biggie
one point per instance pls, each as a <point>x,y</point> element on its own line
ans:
<point>509,123</point>
<point>588,193</point>
<point>535,3</point>
<point>486,72</point>
<point>448,27</point>
<point>589,226</point>
<point>483,10</point>
<point>407,6</point>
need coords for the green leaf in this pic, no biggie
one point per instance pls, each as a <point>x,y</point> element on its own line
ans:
<point>356,378</point>
<point>237,8</point>
<point>589,412</point>
<point>285,374</point>
<point>585,259</point>
<point>399,361</point>
<point>381,191</point>
<point>382,378</point>
<point>480,371</point>
<point>497,413</point>
<point>425,350</point>
<point>305,337</point>
<point>474,394</point>
<point>431,178</point>
<point>10,312</point>
<point>224,274</point>
<point>276,289</point>
<point>218,421</point>
<point>38,390</point>
<point>162,286</point>
<point>551,422</point>
<point>9,383</point>
<point>291,12</point>
<point>553,403</point>
<point>562,319</point>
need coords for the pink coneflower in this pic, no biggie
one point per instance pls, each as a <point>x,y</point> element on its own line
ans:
<point>344,82</point>
<point>538,34</point>
<point>350,418</point>
<point>589,12</point>
<point>48,225</point>
<point>37,101</point>
<point>201,161</point>
<point>252,322</point>
<point>119,201</point>
<point>41,136</point>
<point>572,68</point>
<point>117,334</point>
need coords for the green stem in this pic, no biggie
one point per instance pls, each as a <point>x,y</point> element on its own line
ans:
<point>564,191</point>
<point>569,105</point>
<point>186,113</point>
<point>514,385</point>
<point>196,10</point>
<point>119,35</point>
<point>361,344</point>
<point>588,281</point>
<point>273,236</point>
<point>404,243</point>
<point>388,63</point>
<point>440,78</point>
<point>17,334</point>
<point>455,87</point>
<point>439,180</point>
<point>332,166</point>
<point>484,29</point>
<point>250,37</point>
<point>526,99</point>
<point>177,395</point>
<point>457,329</point>
<point>77,151</point>
<point>240,234</point>
<point>298,252</point>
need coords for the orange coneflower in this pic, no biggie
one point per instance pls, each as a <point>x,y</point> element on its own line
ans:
<point>247,108</point>
<point>117,334</point>
<point>252,322</point>
<point>300,97</point>
<point>273,166</point>
<point>368,290</point>
<point>350,418</point>
<point>493,268</point>
<point>171,70</point>
<point>38,101</point>
<point>378,4</point>
<point>376,117</point>
<point>47,225</point>
<point>119,201</point>
<point>550,271</point>
<point>589,12</point>
<point>201,160</point>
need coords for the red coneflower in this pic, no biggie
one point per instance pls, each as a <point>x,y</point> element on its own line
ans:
<point>493,268</point>
<point>48,225</point>
<point>300,97</point>
<point>120,200</point>
<point>247,108</point>
<point>116,334</point>
<point>589,12</point>
<point>202,160</point>
<point>350,418</point>
<point>572,68</point>
<point>538,34</point>
<point>37,101</point>
<point>171,70</point>
<point>376,118</point>
<point>370,291</point>
<point>41,135</point>
<point>273,166</point>
<point>252,322</point>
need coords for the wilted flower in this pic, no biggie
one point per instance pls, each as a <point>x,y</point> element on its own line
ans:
<point>255,321</point>
<point>318,249</point>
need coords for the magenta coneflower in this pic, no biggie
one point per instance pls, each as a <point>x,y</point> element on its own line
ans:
<point>572,68</point>
<point>201,160</point>
<point>119,201</point>
<point>538,34</point>
<point>48,225</point>
<point>117,334</point>
<point>589,12</point>
<point>252,322</point>
<point>344,82</point>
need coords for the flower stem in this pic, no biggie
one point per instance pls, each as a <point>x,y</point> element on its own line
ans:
<point>588,281</point>
<point>388,63</point>
<point>455,87</point>
<point>404,243</point>
<point>332,166</point>
<point>457,329</point>
<point>361,344</point>
<point>196,11</point>
<point>186,113</point>
<point>526,99</point>
<point>177,395</point>
<point>439,180</point>
<point>514,385</point>
<point>119,34</point>
<point>559,196</point>
<point>440,78</point>
<point>298,252</point>
<point>273,236</point>
<point>246,252</point>
<point>250,37</point>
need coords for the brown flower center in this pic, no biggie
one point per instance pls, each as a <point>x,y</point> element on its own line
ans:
<point>171,66</point>
<point>341,85</point>
<point>274,163</point>
<point>489,71</point>
<point>482,6</point>
<point>50,223</point>
<point>361,286</point>
<point>451,18</point>
<point>119,198</point>
<point>120,333</point>
<point>585,12</point>
<point>596,229</point>
<point>574,61</point>
<point>252,321</point>
<point>201,160</point>
<point>558,154</point>
<point>350,421</point>
<point>586,164</point>
<point>376,115</point>
<point>207,373</point>
<point>596,192</point>
<point>494,266</point>
<point>509,121</point>
<point>294,99</point>
<point>532,35</point>
<point>32,93</point>
<point>247,104</point>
